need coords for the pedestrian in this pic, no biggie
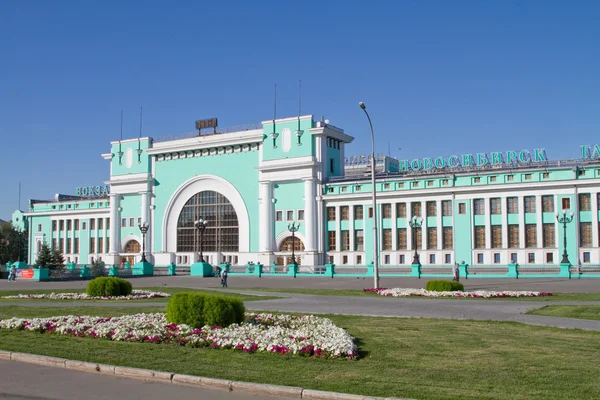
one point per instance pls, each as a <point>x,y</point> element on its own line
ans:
<point>455,273</point>
<point>224,278</point>
<point>12,275</point>
<point>218,271</point>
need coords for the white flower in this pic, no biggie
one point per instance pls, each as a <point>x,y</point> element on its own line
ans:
<point>486,294</point>
<point>135,295</point>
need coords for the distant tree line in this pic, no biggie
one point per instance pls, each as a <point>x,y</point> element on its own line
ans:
<point>12,243</point>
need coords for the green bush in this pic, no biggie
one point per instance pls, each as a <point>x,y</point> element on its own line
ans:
<point>198,310</point>
<point>108,286</point>
<point>444,286</point>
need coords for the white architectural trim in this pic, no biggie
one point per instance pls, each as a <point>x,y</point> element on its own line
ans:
<point>130,140</point>
<point>286,234</point>
<point>128,238</point>
<point>207,142</point>
<point>289,119</point>
<point>190,188</point>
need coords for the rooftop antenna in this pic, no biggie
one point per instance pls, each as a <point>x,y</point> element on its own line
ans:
<point>120,153</point>
<point>139,149</point>
<point>141,114</point>
<point>274,134</point>
<point>299,131</point>
<point>19,208</point>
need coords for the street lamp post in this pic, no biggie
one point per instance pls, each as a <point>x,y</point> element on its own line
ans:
<point>415,222</point>
<point>144,229</point>
<point>374,196</point>
<point>564,220</point>
<point>201,224</point>
<point>293,227</point>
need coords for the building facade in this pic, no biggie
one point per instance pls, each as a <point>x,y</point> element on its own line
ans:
<point>251,184</point>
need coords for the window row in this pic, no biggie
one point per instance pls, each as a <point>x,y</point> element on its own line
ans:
<point>131,221</point>
<point>289,215</point>
<point>74,224</point>
<point>71,246</point>
<point>386,210</point>
<point>386,239</point>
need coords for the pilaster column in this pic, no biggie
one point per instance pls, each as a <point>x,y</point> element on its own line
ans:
<point>440,228</point>
<point>504,213</point>
<point>394,230</point>
<point>338,229</point>
<point>594,200</point>
<point>265,223</point>
<point>488,223</point>
<point>115,225</point>
<point>310,216</point>
<point>539,216</point>
<point>521,201</point>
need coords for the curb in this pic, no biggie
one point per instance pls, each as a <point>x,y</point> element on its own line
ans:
<point>181,379</point>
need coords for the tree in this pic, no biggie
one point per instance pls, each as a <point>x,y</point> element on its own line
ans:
<point>44,257</point>
<point>11,243</point>
<point>58,261</point>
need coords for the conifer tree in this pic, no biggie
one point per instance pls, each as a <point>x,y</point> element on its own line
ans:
<point>58,261</point>
<point>44,257</point>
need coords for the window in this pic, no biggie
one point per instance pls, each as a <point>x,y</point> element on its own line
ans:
<point>386,210</point>
<point>432,238</point>
<point>92,245</point>
<point>527,177</point>
<point>401,210</point>
<point>513,258</point>
<point>548,203</point>
<point>108,243</point>
<point>345,240</point>
<point>548,233</point>
<point>447,258</point>
<point>415,184</point>
<point>139,221</point>
<point>83,226</point>
<point>39,227</point>
<point>331,165</point>
<point>344,259</point>
<point>344,213</point>
<point>566,203</point>
<point>513,236</point>
<point>401,239</point>
<point>415,209</point>
<point>358,212</point>
<point>400,185</point>
<point>402,259</point>
<point>496,236</point>
<point>100,245</point>
<point>331,240</point>
<point>359,259</point>
<point>387,239</point>
<point>586,256</point>
<point>68,249</point>
<point>359,240</point>
<point>418,238</point>
<point>530,204</point>
<point>300,215</point>
<point>432,259</point>
<point>480,237</point>
<point>549,258</point>
<point>108,224</point>
<point>330,213</point>
<point>386,259</point>
<point>344,189</point>
<point>431,209</point>
<point>513,205</point>
<point>289,215</point>
<point>477,180</point>
<point>100,224</point>
<point>445,182</point>
<point>492,179</point>
<point>76,246</point>
<point>479,258</point>
<point>585,234</point>
<point>131,222</point>
<point>546,175</point>
<point>278,215</point>
<point>581,172</point>
<point>478,207</point>
<point>462,208</point>
<point>61,225</point>
<point>447,241</point>
<point>429,183</point>
<point>510,178</point>
<point>496,206</point>
<point>54,244</point>
<point>54,226</point>
<point>530,235</point>
<point>496,258</point>
<point>123,222</point>
<point>386,185</point>
<point>329,190</point>
<point>585,202</point>
<point>370,212</point>
<point>446,208</point>
<point>531,258</point>
<point>357,188</point>
<point>69,224</point>
<point>76,224</point>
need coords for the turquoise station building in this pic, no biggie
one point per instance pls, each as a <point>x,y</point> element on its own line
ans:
<point>250,184</point>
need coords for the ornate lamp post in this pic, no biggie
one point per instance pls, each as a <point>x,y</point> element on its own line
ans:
<point>375,248</point>
<point>144,229</point>
<point>564,220</point>
<point>293,227</point>
<point>415,222</point>
<point>201,224</point>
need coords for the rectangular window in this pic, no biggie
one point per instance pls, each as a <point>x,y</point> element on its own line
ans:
<point>492,179</point>
<point>531,258</point>
<point>139,221</point>
<point>386,210</point>
<point>432,238</point>
<point>546,175</point>
<point>331,240</point>
<point>76,224</point>
<point>108,224</point>
<point>496,258</point>
<point>496,236</point>
<point>585,234</point>
<point>344,259</point>
<point>446,208</point>
<point>68,249</point>
<point>69,224</point>
<point>344,189</point>
<point>548,233</point>
<point>513,258</point>
<point>61,225</point>
<point>402,259</point>
<point>289,215</point>
<point>479,258</point>
<point>566,203</point>
<point>329,190</point>
<point>480,237</point>
<point>92,224</point>
<point>447,237</point>
<point>513,236</point>
<point>510,178</point>
<point>530,235</point>
<point>527,177</point>
<point>358,212</point>
<point>123,222</point>
<point>386,185</point>
<point>278,216</point>
<point>445,182</point>
<point>54,226</point>
<point>345,213</point>
<point>549,258</point>
<point>512,205</point>
<point>359,240</point>
<point>131,222</point>
<point>100,224</point>
<point>358,259</point>
<point>585,202</point>
<point>477,179</point>
<point>331,165</point>
<point>76,245</point>
<point>400,185</point>
<point>415,209</point>
<point>83,226</point>
<point>496,206</point>
<point>345,240</point>
<point>386,259</point>
<point>415,184</point>
<point>447,258</point>
<point>548,203</point>
<point>54,244</point>
<point>357,188</point>
<point>401,239</point>
<point>478,207</point>
<point>387,239</point>
<point>92,245</point>
<point>429,183</point>
<point>39,227</point>
<point>586,256</point>
<point>401,210</point>
<point>330,213</point>
<point>418,238</point>
<point>108,243</point>
<point>530,204</point>
<point>370,212</point>
<point>61,245</point>
<point>581,172</point>
<point>462,208</point>
<point>100,245</point>
<point>300,215</point>
<point>431,209</point>
<point>432,259</point>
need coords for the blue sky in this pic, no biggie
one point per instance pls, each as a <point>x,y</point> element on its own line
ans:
<point>438,77</point>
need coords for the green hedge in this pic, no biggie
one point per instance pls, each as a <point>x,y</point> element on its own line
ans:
<point>198,310</point>
<point>108,286</point>
<point>444,286</point>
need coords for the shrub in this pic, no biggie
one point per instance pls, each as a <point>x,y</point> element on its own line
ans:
<point>198,310</point>
<point>108,286</point>
<point>444,286</point>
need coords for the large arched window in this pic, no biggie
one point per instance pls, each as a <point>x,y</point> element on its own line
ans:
<point>286,245</point>
<point>133,246</point>
<point>222,232</point>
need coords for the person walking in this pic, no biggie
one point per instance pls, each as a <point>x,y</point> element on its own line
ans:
<point>224,275</point>
<point>12,275</point>
<point>455,273</point>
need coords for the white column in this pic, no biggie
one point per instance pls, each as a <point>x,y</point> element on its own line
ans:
<point>409,231</point>
<point>394,231</point>
<point>504,213</point>
<point>540,224</point>
<point>115,225</point>
<point>488,224</point>
<point>351,227</point>
<point>557,209</point>
<point>424,228</point>
<point>338,229</point>
<point>310,216</point>
<point>440,229</point>
<point>65,230</point>
<point>265,218</point>
<point>594,200</point>
<point>521,201</point>
<point>145,215</point>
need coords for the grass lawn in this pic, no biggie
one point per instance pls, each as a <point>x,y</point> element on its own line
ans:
<point>581,312</point>
<point>415,358</point>
<point>170,290</point>
<point>360,292</point>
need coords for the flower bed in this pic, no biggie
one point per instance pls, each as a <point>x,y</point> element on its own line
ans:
<point>483,294</point>
<point>135,295</point>
<point>303,335</point>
